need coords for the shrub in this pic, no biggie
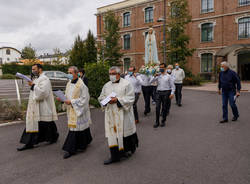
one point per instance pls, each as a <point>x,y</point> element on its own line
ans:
<point>194,80</point>
<point>13,68</point>
<point>98,75</point>
<point>94,102</point>
<point>9,111</point>
<point>7,76</point>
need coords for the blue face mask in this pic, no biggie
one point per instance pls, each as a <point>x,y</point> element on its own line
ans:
<point>162,70</point>
<point>70,76</point>
<point>222,69</point>
<point>130,73</point>
<point>79,75</point>
<point>177,67</point>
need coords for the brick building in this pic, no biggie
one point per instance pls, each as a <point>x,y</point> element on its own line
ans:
<point>220,30</point>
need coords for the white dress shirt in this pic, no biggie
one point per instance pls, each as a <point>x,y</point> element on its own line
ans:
<point>165,82</point>
<point>135,82</point>
<point>144,80</point>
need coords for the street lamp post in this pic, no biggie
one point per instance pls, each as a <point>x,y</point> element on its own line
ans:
<point>164,31</point>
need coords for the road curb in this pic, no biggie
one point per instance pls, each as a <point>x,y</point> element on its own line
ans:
<point>19,122</point>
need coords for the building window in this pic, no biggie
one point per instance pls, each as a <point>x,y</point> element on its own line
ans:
<point>207,6</point>
<point>206,63</point>
<point>126,64</point>
<point>1,61</point>
<point>8,52</point>
<point>244,28</point>
<point>126,19</point>
<point>244,2</point>
<point>174,10</point>
<point>126,40</point>
<point>149,14</point>
<point>207,32</point>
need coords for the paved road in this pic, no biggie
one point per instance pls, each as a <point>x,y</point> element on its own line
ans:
<point>8,90</point>
<point>193,149</point>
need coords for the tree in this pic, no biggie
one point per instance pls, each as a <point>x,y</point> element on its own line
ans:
<point>176,38</point>
<point>90,49</point>
<point>110,49</point>
<point>58,55</point>
<point>28,52</point>
<point>77,54</point>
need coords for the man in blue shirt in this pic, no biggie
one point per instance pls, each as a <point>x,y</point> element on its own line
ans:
<point>229,87</point>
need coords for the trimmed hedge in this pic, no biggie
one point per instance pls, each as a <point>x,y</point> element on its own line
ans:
<point>7,76</point>
<point>26,69</point>
<point>98,75</point>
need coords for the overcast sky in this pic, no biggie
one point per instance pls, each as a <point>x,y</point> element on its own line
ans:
<point>47,24</point>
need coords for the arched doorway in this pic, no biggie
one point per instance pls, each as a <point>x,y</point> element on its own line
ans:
<point>244,65</point>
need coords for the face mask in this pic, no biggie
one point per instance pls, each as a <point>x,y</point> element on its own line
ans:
<point>112,78</point>
<point>79,75</point>
<point>177,67</point>
<point>169,71</point>
<point>70,76</point>
<point>162,70</point>
<point>222,69</point>
<point>35,73</point>
<point>130,73</point>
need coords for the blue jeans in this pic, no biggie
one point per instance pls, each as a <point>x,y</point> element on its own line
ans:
<point>229,96</point>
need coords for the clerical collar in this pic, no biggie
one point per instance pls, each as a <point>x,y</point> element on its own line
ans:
<point>117,81</point>
<point>74,81</point>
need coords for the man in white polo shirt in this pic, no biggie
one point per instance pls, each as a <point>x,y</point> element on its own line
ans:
<point>179,75</point>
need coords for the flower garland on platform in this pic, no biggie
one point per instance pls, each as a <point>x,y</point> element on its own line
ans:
<point>149,69</point>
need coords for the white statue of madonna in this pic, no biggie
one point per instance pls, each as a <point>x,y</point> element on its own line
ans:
<point>151,53</point>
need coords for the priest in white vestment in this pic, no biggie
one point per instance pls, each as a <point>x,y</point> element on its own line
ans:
<point>41,112</point>
<point>78,114</point>
<point>120,128</point>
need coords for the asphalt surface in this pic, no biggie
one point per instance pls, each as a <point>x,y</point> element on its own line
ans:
<point>8,90</point>
<point>193,149</point>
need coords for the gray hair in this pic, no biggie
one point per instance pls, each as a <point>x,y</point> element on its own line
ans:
<point>170,66</point>
<point>116,68</point>
<point>225,64</point>
<point>75,69</point>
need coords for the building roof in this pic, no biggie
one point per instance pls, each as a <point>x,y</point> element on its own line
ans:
<point>120,5</point>
<point>10,48</point>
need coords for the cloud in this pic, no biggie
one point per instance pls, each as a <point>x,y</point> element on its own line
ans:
<point>47,24</point>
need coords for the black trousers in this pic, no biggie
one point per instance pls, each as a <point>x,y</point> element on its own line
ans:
<point>178,94</point>
<point>137,95</point>
<point>147,93</point>
<point>154,93</point>
<point>47,133</point>
<point>162,101</point>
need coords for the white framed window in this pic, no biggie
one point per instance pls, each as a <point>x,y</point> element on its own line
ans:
<point>126,64</point>
<point>207,30</point>
<point>7,51</point>
<point>126,41</point>
<point>244,2</point>
<point>207,6</point>
<point>206,62</point>
<point>149,14</point>
<point>244,28</point>
<point>126,19</point>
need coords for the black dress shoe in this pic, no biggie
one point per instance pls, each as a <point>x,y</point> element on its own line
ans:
<point>67,155</point>
<point>224,121</point>
<point>179,105</point>
<point>235,119</point>
<point>110,161</point>
<point>25,147</point>
<point>163,123</point>
<point>156,125</point>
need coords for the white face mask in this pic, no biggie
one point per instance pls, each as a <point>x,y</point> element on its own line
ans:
<point>112,78</point>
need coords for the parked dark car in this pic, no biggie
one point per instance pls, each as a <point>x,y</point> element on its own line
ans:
<point>58,79</point>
